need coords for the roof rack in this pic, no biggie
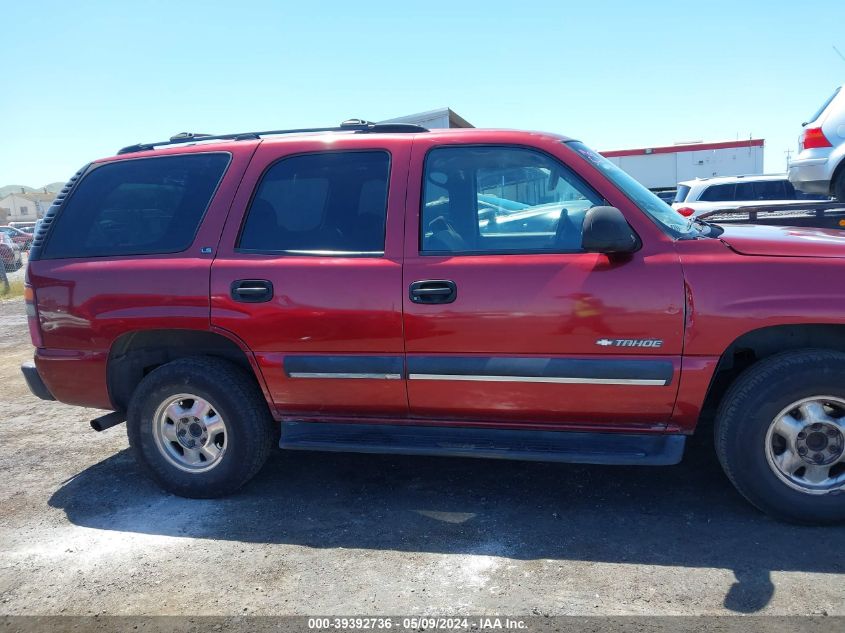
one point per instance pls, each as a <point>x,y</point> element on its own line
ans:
<point>351,125</point>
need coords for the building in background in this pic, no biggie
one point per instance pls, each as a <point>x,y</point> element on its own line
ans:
<point>433,119</point>
<point>658,168</point>
<point>25,207</point>
<point>662,168</point>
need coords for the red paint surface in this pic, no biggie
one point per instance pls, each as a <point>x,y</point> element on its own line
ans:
<point>697,296</point>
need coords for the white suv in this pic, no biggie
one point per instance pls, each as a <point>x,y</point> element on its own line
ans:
<point>703,195</point>
<point>820,164</point>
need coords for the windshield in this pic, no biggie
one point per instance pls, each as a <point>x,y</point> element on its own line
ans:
<point>654,207</point>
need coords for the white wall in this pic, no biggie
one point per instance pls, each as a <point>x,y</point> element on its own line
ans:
<point>666,170</point>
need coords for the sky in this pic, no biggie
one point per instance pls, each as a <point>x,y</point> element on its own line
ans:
<point>82,79</point>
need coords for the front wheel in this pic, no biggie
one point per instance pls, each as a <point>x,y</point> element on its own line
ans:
<point>200,427</point>
<point>780,436</point>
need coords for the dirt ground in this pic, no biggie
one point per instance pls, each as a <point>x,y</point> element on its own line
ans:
<point>82,532</point>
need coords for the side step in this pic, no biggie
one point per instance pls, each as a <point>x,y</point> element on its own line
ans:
<point>541,446</point>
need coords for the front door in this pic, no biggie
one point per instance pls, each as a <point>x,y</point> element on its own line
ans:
<point>508,321</point>
<point>310,276</point>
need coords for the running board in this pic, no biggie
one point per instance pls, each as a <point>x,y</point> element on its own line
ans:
<point>540,446</point>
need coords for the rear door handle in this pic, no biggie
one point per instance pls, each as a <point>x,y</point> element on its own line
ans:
<point>433,291</point>
<point>252,290</point>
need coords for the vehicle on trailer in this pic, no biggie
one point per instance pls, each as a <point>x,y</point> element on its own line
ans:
<point>221,294</point>
<point>705,195</point>
<point>819,166</point>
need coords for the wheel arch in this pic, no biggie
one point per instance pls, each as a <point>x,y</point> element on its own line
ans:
<point>135,354</point>
<point>755,345</point>
<point>838,171</point>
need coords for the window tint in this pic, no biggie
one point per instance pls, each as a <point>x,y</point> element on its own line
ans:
<point>501,199</point>
<point>137,207</point>
<point>718,193</point>
<point>744,191</point>
<point>331,202</point>
<point>770,190</point>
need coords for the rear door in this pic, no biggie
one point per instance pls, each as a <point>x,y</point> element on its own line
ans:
<point>507,320</point>
<point>310,275</point>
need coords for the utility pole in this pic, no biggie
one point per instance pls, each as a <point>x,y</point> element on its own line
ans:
<point>788,156</point>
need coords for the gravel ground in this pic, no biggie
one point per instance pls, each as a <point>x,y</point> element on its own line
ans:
<point>82,532</point>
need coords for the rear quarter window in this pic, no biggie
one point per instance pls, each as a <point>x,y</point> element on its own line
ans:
<point>139,206</point>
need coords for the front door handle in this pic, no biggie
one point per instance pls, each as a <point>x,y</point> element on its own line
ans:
<point>252,290</point>
<point>433,291</point>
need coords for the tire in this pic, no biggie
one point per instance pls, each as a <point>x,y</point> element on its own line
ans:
<point>222,392</point>
<point>838,188</point>
<point>748,437</point>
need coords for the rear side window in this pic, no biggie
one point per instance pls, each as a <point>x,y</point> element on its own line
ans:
<point>137,207</point>
<point>718,193</point>
<point>770,190</point>
<point>320,204</point>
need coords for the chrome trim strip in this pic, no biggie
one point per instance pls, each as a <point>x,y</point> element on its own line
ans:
<point>646,382</point>
<point>327,374</point>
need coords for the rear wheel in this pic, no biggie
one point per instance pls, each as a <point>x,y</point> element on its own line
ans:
<point>780,436</point>
<point>839,185</point>
<point>200,427</point>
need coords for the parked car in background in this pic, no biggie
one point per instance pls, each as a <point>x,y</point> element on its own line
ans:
<point>667,196</point>
<point>820,164</point>
<point>703,195</point>
<point>10,253</point>
<point>27,227</point>
<point>19,237</point>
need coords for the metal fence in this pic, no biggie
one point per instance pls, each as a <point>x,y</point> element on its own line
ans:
<point>12,272</point>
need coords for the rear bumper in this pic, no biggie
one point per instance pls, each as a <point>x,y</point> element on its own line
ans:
<point>75,377</point>
<point>34,382</point>
<point>810,175</point>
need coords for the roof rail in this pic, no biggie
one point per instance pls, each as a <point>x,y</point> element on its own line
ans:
<point>351,125</point>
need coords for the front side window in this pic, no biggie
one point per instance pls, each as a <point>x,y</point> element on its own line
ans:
<point>137,207</point>
<point>485,199</point>
<point>323,203</point>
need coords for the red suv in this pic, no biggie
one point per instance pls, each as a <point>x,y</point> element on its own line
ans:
<point>385,288</point>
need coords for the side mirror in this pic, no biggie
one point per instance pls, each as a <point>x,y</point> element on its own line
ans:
<point>607,231</point>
